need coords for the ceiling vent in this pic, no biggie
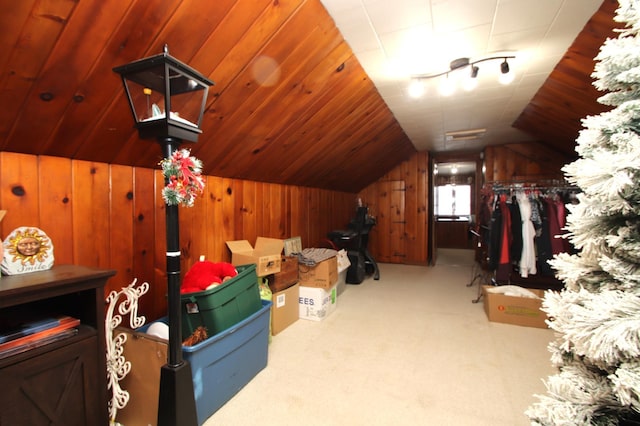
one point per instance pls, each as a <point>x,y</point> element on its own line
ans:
<point>465,135</point>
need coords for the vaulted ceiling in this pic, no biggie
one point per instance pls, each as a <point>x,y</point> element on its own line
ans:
<point>291,103</point>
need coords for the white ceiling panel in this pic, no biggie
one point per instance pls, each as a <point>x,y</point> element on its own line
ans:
<point>397,39</point>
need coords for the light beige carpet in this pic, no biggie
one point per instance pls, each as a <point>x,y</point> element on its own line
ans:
<point>409,349</point>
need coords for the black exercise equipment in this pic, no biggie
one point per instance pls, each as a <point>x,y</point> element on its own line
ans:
<point>354,240</point>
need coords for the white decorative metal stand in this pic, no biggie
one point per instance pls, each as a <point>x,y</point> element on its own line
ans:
<point>117,366</point>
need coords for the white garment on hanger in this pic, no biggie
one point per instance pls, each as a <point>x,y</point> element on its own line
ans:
<point>528,258</point>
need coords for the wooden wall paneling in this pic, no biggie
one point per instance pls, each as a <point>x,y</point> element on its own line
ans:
<point>121,235</point>
<point>177,23</point>
<point>297,218</point>
<point>56,218</point>
<point>369,197</point>
<point>311,198</point>
<point>513,163</point>
<point>397,236</point>
<point>532,168</point>
<point>420,246</point>
<point>295,62</point>
<point>12,19</point>
<point>326,214</point>
<point>101,89</point>
<point>314,61</point>
<point>277,218</point>
<point>345,209</point>
<point>238,213</point>
<point>70,61</point>
<point>391,221</point>
<point>144,237</point>
<point>489,161</point>
<point>305,210</point>
<point>249,212</point>
<point>334,218</point>
<point>20,192</point>
<point>383,227</point>
<point>91,221</point>
<point>500,166</point>
<point>285,211</point>
<point>356,143</point>
<point>507,162</point>
<point>227,110</point>
<point>37,35</point>
<point>229,215</point>
<point>415,171</point>
<point>114,216</point>
<point>411,208</point>
<point>326,114</point>
<point>211,231</point>
<point>193,226</point>
<point>325,217</point>
<point>262,205</point>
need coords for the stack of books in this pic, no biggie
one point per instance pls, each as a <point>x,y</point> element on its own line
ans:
<point>36,333</point>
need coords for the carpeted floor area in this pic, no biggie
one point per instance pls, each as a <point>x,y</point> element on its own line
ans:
<point>409,349</point>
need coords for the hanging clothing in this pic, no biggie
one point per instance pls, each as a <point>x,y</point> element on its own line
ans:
<point>504,266</point>
<point>554,226</point>
<point>527,262</point>
<point>515,250</point>
<point>543,240</point>
<point>495,235</point>
<point>562,222</point>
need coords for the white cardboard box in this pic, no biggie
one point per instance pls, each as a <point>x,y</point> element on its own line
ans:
<point>317,303</point>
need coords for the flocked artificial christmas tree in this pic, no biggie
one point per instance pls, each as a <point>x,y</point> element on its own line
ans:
<point>597,315</point>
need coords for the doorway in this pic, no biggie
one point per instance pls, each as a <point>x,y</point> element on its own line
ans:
<point>456,180</point>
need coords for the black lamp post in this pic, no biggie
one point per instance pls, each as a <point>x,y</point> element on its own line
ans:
<point>167,100</point>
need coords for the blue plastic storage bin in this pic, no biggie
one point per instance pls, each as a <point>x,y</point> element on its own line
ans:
<point>224,363</point>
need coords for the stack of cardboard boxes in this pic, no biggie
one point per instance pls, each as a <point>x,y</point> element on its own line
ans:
<point>299,291</point>
<point>281,273</point>
<point>285,288</point>
<point>318,289</point>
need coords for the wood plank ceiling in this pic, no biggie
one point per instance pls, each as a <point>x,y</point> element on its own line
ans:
<point>554,114</point>
<point>291,104</point>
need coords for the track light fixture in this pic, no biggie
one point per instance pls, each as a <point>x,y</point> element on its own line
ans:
<point>470,82</point>
<point>504,67</point>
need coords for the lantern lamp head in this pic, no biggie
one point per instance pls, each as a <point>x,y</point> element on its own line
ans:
<point>161,83</point>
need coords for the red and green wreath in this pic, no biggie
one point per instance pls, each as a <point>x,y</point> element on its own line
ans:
<point>182,173</point>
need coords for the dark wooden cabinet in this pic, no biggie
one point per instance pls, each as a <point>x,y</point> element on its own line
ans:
<point>64,382</point>
<point>453,234</point>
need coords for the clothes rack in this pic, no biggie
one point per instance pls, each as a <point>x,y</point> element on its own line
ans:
<point>527,220</point>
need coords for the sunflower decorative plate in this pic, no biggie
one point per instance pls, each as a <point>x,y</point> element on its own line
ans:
<point>26,249</point>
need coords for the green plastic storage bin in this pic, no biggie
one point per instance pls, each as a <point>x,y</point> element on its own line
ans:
<point>223,306</point>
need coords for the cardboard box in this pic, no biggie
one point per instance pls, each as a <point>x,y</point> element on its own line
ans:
<point>317,303</point>
<point>516,310</point>
<point>287,276</point>
<point>284,308</point>
<point>147,354</point>
<point>323,275</point>
<point>266,254</point>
